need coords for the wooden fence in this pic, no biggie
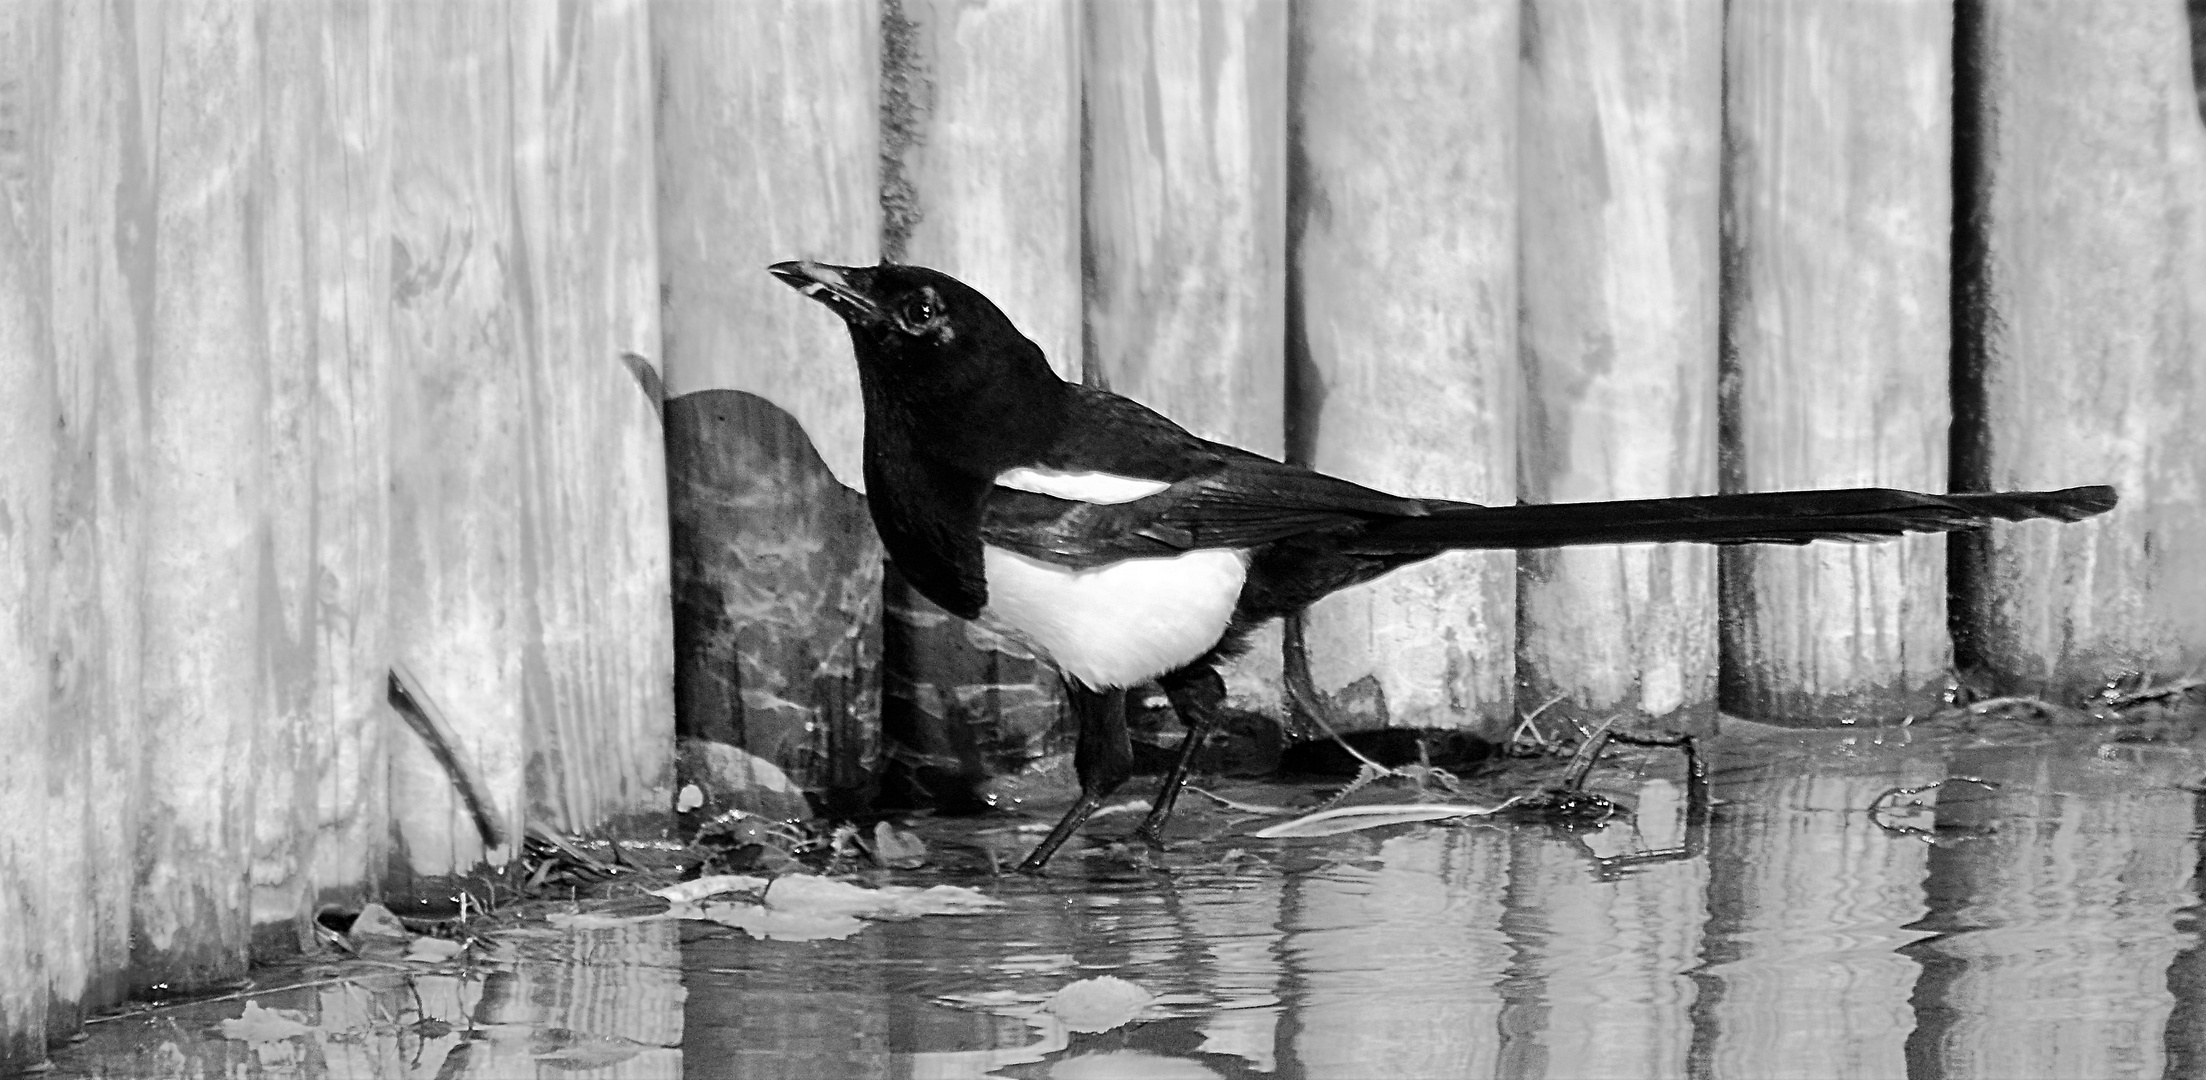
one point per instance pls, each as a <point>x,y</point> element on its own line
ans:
<point>312,317</point>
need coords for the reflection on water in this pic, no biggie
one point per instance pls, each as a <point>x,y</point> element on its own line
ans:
<point>578,1005</point>
<point>2045,927</point>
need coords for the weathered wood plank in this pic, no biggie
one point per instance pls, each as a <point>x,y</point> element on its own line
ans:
<point>349,161</point>
<point>1186,193</point>
<point>597,661</point>
<point>1622,120</point>
<point>2083,341</point>
<point>456,466</point>
<point>206,515</point>
<point>321,194</point>
<point>1402,308</point>
<point>1837,210</point>
<point>768,149</point>
<point>103,235</point>
<point>982,128</point>
<point>28,911</point>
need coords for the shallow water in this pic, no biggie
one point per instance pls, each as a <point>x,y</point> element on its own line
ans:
<point>2046,927</point>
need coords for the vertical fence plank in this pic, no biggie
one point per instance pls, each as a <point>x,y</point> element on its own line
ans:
<point>349,160</point>
<point>1402,315</point>
<point>1185,253</point>
<point>103,232</point>
<point>1622,125</point>
<point>283,197</point>
<point>455,473</point>
<point>982,124</point>
<point>322,189</point>
<point>768,149</point>
<point>206,519</point>
<point>34,303</point>
<point>597,664</point>
<point>2082,324</point>
<point>1837,204</point>
<point>27,460</point>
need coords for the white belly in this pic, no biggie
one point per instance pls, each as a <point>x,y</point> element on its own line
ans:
<point>1117,625</point>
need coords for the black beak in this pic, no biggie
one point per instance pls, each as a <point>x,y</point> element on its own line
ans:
<point>841,288</point>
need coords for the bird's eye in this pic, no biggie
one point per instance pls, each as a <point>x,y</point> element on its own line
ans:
<point>921,310</point>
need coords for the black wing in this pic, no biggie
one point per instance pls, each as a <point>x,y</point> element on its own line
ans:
<point>1220,496</point>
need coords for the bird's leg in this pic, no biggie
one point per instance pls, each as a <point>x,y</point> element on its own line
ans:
<point>1197,693</point>
<point>1103,758</point>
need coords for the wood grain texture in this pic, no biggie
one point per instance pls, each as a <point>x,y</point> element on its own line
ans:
<point>1402,332</point>
<point>102,228</point>
<point>2084,342</point>
<point>348,160</point>
<point>769,149</point>
<point>28,923</point>
<point>597,660</point>
<point>1622,123</point>
<point>321,195</point>
<point>456,403</point>
<point>206,506</point>
<point>1837,211</point>
<point>1186,266</point>
<point>982,108</point>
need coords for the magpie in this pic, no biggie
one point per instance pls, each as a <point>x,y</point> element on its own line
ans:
<point>1124,549</point>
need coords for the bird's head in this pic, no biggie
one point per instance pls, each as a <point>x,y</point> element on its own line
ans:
<point>931,346</point>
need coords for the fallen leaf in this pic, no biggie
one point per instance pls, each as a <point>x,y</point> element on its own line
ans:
<point>770,924</point>
<point>1353,818</point>
<point>1098,1004</point>
<point>897,849</point>
<point>689,892</point>
<point>810,892</point>
<point>258,1025</point>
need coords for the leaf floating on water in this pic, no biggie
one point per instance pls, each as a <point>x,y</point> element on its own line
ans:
<point>1348,819</point>
<point>897,849</point>
<point>811,892</point>
<point>771,924</point>
<point>259,1025</point>
<point>1098,1004</point>
<point>689,892</point>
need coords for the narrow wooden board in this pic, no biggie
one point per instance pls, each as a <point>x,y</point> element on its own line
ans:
<point>768,147</point>
<point>1837,209</point>
<point>1402,316</point>
<point>2083,342</point>
<point>982,147</point>
<point>103,235</point>
<point>1186,196</point>
<point>598,655</point>
<point>1622,121</point>
<point>29,899</point>
<point>206,505</point>
<point>457,300</point>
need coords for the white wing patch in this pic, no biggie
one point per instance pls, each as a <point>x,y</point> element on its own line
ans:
<point>1116,625</point>
<point>1087,487</point>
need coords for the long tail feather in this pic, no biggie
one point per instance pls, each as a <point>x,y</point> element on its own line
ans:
<point>1778,517</point>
